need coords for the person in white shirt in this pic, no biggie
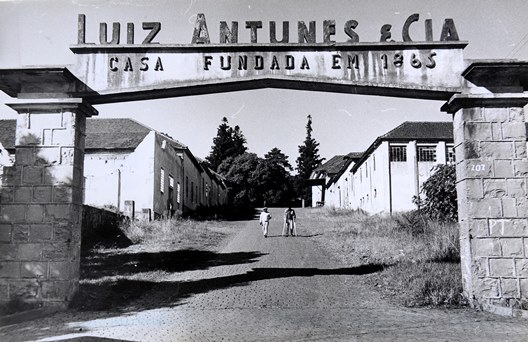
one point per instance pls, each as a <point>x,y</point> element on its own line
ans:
<point>265,217</point>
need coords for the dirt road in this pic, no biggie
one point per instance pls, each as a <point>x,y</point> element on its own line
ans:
<point>271,289</point>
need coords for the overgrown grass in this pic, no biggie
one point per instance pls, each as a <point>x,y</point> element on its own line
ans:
<point>422,256</point>
<point>183,231</point>
<point>147,272</point>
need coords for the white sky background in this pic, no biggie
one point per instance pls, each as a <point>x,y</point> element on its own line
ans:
<point>41,32</point>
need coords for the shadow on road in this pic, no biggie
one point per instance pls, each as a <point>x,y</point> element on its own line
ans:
<point>266,273</point>
<point>99,265</point>
<point>112,281</point>
<point>130,295</point>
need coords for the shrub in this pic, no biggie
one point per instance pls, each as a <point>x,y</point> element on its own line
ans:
<point>440,200</point>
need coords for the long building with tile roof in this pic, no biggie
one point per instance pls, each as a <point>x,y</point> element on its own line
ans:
<point>391,171</point>
<point>328,171</point>
<point>129,165</point>
<point>386,177</point>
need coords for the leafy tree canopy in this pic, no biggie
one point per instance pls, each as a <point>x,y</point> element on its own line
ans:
<point>439,190</point>
<point>255,181</point>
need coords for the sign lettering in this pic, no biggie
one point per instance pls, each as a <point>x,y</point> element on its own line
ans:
<point>137,62</point>
<point>230,34</point>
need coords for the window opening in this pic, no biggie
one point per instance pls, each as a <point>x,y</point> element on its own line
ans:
<point>426,153</point>
<point>450,154</point>
<point>398,153</point>
<point>162,180</point>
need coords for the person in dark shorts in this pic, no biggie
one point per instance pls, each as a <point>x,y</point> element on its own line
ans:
<point>289,223</point>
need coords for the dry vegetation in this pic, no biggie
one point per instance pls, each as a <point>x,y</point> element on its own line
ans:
<point>421,256</point>
<point>185,232</point>
<point>145,271</point>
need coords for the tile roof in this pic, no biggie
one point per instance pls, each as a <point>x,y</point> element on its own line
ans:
<point>420,130</point>
<point>409,130</point>
<point>355,155</point>
<point>101,134</point>
<point>336,163</point>
<point>174,143</point>
<point>111,134</point>
<point>412,130</point>
<point>329,164</point>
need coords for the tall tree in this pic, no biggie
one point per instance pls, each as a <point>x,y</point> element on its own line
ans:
<point>239,142</point>
<point>277,186</point>
<point>276,156</point>
<point>228,143</point>
<point>241,180</point>
<point>307,161</point>
<point>256,181</point>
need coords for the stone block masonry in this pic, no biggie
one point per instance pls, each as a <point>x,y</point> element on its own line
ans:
<point>490,144</point>
<point>41,204</point>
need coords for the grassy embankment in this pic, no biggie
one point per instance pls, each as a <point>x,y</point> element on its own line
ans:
<point>422,256</point>
<point>184,232</point>
<point>142,267</point>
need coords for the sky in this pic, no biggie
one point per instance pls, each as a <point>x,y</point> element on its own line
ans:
<point>40,33</point>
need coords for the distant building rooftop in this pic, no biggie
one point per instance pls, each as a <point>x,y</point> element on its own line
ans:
<point>101,134</point>
<point>410,130</point>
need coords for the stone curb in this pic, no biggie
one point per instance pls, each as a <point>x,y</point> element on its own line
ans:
<point>505,311</point>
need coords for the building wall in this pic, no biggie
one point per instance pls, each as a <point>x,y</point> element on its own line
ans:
<point>165,201</point>
<point>383,186</point>
<point>111,178</point>
<point>191,184</point>
<point>409,176</point>
<point>331,195</point>
<point>317,195</point>
<point>214,193</point>
<point>370,187</point>
<point>102,178</point>
<point>138,176</point>
<point>403,179</point>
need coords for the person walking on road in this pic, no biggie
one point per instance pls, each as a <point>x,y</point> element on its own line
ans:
<point>289,223</point>
<point>265,217</point>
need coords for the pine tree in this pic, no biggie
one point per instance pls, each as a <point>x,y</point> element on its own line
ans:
<point>239,142</point>
<point>228,143</point>
<point>307,161</point>
<point>221,144</point>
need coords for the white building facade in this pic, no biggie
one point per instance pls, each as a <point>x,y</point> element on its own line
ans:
<point>392,170</point>
<point>131,167</point>
<point>324,193</point>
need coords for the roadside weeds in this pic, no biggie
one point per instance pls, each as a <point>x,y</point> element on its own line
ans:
<point>421,257</point>
<point>142,274</point>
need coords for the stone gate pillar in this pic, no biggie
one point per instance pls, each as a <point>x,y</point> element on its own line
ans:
<point>41,201</point>
<point>492,170</point>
